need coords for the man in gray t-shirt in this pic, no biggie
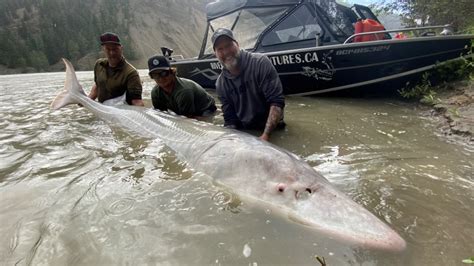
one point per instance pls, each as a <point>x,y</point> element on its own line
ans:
<point>248,87</point>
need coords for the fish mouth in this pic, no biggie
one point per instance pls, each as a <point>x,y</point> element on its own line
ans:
<point>389,240</point>
<point>332,213</point>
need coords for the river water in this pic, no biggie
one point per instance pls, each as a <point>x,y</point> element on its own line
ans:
<point>77,191</point>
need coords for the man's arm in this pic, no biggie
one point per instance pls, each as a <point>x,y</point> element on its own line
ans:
<point>93,92</point>
<point>228,111</point>
<point>138,102</point>
<point>155,99</point>
<point>134,89</point>
<point>273,91</point>
<point>185,101</point>
<point>274,117</point>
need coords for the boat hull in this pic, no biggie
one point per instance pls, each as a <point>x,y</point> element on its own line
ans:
<point>345,67</point>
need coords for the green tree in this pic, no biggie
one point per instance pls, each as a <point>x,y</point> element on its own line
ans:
<point>51,29</point>
<point>38,60</point>
<point>73,50</point>
<point>458,13</point>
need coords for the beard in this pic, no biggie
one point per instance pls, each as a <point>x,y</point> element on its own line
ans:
<point>231,62</point>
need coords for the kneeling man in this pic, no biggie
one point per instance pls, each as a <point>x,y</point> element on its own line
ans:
<point>180,95</point>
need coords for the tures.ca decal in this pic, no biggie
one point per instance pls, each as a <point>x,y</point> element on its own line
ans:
<point>289,59</point>
<point>313,66</point>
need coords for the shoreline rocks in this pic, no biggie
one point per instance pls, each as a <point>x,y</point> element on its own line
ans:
<point>455,110</point>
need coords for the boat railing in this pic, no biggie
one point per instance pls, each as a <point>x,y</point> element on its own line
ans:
<point>177,57</point>
<point>416,31</point>
<point>167,52</point>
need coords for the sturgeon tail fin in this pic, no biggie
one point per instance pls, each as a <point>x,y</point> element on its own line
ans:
<point>71,88</point>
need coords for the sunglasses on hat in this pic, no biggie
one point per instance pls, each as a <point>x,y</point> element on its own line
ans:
<point>161,74</point>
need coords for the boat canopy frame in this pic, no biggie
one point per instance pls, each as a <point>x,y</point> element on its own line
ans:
<point>282,7</point>
<point>223,9</point>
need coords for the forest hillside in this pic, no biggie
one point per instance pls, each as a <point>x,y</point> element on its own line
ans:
<point>36,34</point>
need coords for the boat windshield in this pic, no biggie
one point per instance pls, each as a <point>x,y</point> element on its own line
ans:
<point>247,25</point>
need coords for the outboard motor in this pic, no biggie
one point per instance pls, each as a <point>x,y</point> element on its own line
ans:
<point>166,52</point>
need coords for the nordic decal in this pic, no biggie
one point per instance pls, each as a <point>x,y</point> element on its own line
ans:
<point>324,69</point>
<point>208,73</point>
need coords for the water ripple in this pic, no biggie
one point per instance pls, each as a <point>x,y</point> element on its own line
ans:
<point>200,229</point>
<point>120,207</point>
<point>15,236</point>
<point>56,164</point>
<point>10,160</point>
<point>76,190</point>
<point>222,198</point>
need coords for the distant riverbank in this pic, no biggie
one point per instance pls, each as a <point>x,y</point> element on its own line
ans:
<point>26,70</point>
<point>9,71</point>
<point>86,63</point>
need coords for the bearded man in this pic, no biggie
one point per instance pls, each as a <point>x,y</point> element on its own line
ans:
<point>248,87</point>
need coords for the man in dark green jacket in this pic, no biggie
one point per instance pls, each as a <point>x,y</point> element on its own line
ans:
<point>180,95</point>
<point>113,75</point>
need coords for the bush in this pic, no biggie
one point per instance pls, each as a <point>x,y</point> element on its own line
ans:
<point>423,91</point>
<point>447,72</point>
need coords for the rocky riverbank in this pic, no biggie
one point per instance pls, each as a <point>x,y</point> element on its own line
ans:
<point>454,110</point>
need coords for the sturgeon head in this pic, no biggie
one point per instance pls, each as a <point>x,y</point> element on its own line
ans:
<point>279,180</point>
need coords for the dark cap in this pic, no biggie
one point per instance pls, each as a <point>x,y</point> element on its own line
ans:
<point>109,37</point>
<point>219,33</point>
<point>158,62</point>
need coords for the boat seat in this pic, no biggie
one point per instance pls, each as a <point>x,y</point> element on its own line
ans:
<point>292,38</point>
<point>428,34</point>
<point>312,34</point>
<point>271,38</point>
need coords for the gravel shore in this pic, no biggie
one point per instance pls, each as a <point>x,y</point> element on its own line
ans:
<point>455,111</point>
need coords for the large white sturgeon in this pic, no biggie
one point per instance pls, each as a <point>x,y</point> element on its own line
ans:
<point>257,171</point>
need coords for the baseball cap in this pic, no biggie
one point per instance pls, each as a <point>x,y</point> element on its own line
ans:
<point>219,33</point>
<point>158,62</point>
<point>109,37</point>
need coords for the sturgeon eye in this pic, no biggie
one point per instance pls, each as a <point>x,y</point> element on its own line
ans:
<point>281,187</point>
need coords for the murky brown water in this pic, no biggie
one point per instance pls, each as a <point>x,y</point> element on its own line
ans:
<point>75,191</point>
